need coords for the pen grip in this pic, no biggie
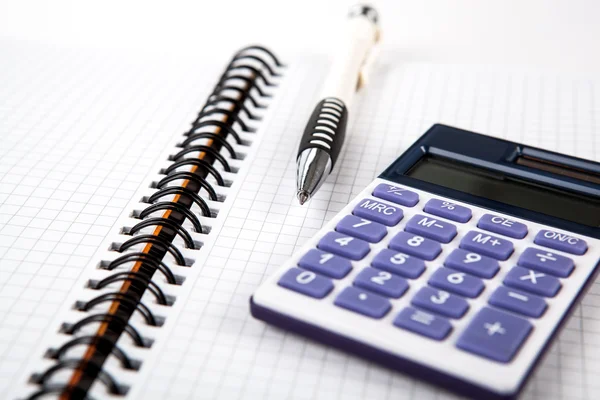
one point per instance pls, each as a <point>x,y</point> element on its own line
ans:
<point>326,128</point>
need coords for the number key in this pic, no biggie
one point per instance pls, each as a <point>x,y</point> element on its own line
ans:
<point>361,228</point>
<point>381,282</point>
<point>440,302</point>
<point>344,245</point>
<point>457,282</point>
<point>416,245</point>
<point>472,263</point>
<point>306,282</point>
<point>399,263</point>
<point>325,263</point>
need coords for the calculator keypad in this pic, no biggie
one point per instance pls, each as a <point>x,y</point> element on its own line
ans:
<point>496,331</point>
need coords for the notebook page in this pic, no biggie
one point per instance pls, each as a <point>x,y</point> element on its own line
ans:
<point>213,348</point>
<point>79,131</point>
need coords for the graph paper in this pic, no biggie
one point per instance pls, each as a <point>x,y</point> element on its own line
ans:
<point>215,349</point>
<point>210,346</point>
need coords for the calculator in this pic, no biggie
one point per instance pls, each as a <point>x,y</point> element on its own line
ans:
<point>458,265</point>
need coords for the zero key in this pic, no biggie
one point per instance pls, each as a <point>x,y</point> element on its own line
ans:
<point>306,282</point>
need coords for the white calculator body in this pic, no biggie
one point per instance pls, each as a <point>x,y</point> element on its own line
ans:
<point>458,265</point>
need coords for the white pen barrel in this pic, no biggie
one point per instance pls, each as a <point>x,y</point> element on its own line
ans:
<point>356,41</point>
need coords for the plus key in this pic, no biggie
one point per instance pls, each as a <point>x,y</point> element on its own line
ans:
<point>495,334</point>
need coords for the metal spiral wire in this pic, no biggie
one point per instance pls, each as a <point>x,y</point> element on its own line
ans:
<point>256,68</point>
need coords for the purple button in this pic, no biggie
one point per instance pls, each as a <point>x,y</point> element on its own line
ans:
<point>495,335</point>
<point>344,245</point>
<point>446,209</point>
<point>488,245</point>
<point>432,228</point>
<point>381,282</point>
<point>440,302</point>
<point>472,263</point>
<point>361,228</point>
<point>325,263</point>
<point>423,323</point>
<point>363,302</point>
<point>561,242</point>
<point>378,211</point>
<point>306,282</point>
<point>544,261</point>
<point>519,302</point>
<point>416,245</point>
<point>396,194</point>
<point>456,282</point>
<point>532,281</point>
<point>503,226</point>
<point>399,263</point>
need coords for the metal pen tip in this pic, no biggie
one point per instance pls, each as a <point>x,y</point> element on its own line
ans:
<point>303,197</point>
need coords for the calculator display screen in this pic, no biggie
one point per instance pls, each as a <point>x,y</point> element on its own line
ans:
<point>506,189</point>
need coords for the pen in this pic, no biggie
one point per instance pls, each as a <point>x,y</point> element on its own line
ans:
<point>324,133</point>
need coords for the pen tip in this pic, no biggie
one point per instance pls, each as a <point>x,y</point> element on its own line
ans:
<point>303,197</point>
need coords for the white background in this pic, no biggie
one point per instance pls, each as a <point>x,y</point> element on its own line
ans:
<point>550,33</point>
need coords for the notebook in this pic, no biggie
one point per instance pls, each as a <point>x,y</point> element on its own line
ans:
<point>87,133</point>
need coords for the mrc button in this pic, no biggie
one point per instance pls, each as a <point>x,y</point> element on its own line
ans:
<point>561,242</point>
<point>378,211</point>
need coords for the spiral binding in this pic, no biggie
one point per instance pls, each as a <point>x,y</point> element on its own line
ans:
<point>230,108</point>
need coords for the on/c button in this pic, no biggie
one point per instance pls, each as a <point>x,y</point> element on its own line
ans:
<point>503,226</point>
